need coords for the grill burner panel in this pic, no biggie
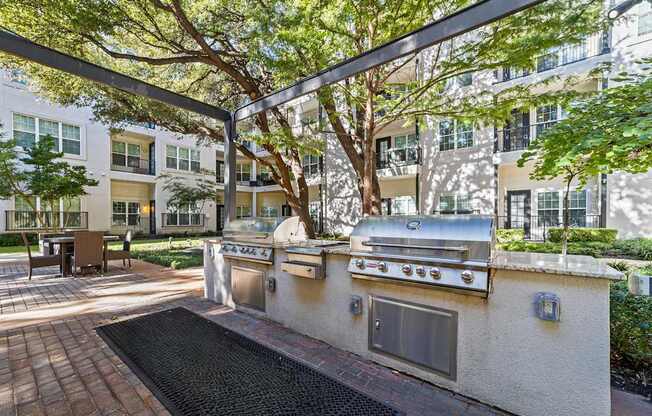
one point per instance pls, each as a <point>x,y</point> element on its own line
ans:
<point>440,252</point>
<point>258,254</point>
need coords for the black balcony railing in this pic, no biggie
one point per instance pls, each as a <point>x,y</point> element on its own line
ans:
<point>139,224</point>
<point>132,164</point>
<point>181,219</point>
<point>535,227</point>
<point>45,220</point>
<point>264,180</point>
<point>398,157</point>
<point>519,138</point>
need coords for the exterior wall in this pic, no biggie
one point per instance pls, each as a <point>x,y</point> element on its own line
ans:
<point>343,205</point>
<point>629,205</point>
<point>269,200</point>
<point>505,355</point>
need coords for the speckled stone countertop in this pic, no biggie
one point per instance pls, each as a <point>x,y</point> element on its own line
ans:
<point>571,265</point>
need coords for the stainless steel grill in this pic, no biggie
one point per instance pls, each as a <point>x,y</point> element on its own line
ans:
<point>253,239</point>
<point>439,252</point>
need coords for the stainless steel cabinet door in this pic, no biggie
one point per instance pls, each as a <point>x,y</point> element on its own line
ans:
<point>248,287</point>
<point>419,334</point>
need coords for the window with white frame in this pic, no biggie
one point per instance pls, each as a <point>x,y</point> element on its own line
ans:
<point>243,211</point>
<point>577,208</point>
<point>405,150</point>
<point>242,172</point>
<point>26,130</point>
<point>548,208</point>
<point>182,158</point>
<point>404,205</point>
<point>314,209</point>
<point>125,154</point>
<point>125,213</point>
<point>547,116</point>
<point>644,18</point>
<point>464,80</point>
<point>454,134</point>
<point>269,212</point>
<point>184,215</point>
<point>310,165</point>
<point>455,204</point>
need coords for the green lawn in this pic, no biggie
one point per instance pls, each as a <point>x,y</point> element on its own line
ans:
<point>17,249</point>
<point>160,251</point>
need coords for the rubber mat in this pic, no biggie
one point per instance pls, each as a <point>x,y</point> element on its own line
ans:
<point>197,367</point>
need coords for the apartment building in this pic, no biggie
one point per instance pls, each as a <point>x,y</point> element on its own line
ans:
<point>432,166</point>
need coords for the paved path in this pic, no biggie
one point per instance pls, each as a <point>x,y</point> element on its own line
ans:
<point>52,362</point>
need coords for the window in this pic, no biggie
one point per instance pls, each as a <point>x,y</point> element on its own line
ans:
<point>405,150</point>
<point>455,204</point>
<point>220,171</point>
<point>310,165</point>
<point>67,138</point>
<point>184,215</point>
<point>182,158</point>
<point>577,208</point>
<point>243,211</point>
<point>126,213</point>
<point>242,172</point>
<point>455,134</point>
<point>645,18</point>
<point>314,209</point>
<point>404,205</point>
<point>269,212</point>
<point>125,154</point>
<point>510,73</point>
<point>547,61</point>
<point>547,116</point>
<point>548,208</point>
<point>465,80</point>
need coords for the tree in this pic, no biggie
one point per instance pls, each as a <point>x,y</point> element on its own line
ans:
<point>41,174</point>
<point>610,131</point>
<point>313,35</point>
<point>191,194</point>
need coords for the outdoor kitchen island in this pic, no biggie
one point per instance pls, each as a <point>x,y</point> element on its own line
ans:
<point>536,343</point>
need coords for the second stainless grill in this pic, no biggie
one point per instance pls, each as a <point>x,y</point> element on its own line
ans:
<point>440,252</point>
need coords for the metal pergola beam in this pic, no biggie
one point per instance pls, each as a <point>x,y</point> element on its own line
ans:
<point>26,49</point>
<point>463,21</point>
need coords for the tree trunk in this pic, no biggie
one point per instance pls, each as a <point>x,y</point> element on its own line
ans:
<point>564,237</point>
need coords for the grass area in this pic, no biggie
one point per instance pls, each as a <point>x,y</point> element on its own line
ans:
<point>17,249</point>
<point>175,254</point>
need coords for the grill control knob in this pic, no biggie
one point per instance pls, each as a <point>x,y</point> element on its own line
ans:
<point>382,266</point>
<point>435,273</point>
<point>420,270</point>
<point>467,276</point>
<point>359,263</point>
<point>407,269</point>
<point>242,249</point>
<point>253,251</point>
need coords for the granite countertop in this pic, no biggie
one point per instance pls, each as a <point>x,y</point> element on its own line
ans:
<point>571,265</point>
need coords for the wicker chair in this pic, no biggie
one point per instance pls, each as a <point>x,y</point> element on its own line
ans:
<point>39,261</point>
<point>124,254</point>
<point>89,250</point>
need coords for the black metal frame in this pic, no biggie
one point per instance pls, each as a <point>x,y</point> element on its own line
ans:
<point>463,21</point>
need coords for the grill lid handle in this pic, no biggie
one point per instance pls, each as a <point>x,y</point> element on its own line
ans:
<point>442,248</point>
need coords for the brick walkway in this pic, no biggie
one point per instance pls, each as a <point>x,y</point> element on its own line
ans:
<point>53,363</point>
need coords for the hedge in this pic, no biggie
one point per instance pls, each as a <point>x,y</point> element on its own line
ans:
<point>577,235</point>
<point>10,240</point>
<point>507,235</point>
<point>631,328</point>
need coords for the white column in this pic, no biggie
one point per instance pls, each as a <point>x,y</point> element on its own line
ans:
<point>254,212</point>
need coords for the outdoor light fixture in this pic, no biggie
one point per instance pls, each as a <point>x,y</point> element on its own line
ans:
<point>623,7</point>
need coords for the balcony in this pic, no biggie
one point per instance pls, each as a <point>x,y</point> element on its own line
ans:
<point>518,138</point>
<point>132,164</point>
<point>536,227</point>
<point>595,45</point>
<point>45,220</point>
<point>398,157</point>
<point>183,219</point>
<point>137,224</point>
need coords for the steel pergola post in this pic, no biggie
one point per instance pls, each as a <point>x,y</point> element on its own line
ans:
<point>230,192</point>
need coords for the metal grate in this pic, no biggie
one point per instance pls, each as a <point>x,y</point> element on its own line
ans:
<point>197,367</point>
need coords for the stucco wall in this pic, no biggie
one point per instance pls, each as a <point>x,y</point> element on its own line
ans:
<point>506,356</point>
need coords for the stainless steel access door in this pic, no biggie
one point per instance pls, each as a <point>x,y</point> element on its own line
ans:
<point>248,287</point>
<point>420,334</point>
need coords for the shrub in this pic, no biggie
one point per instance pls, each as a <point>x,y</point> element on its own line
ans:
<point>620,265</point>
<point>507,235</point>
<point>10,240</point>
<point>631,328</point>
<point>577,235</point>
<point>640,248</point>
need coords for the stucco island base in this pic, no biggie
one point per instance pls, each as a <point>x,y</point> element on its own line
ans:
<point>506,356</point>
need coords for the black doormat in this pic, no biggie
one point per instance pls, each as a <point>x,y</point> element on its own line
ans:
<point>197,367</point>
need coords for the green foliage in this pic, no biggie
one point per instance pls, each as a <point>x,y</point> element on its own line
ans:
<point>605,235</point>
<point>505,235</point>
<point>640,248</point>
<point>631,328</point>
<point>594,248</point>
<point>9,240</point>
<point>194,194</point>
<point>175,259</point>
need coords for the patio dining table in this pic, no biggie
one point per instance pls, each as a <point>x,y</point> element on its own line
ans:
<point>67,241</point>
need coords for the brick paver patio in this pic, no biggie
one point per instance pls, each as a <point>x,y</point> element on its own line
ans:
<point>53,363</point>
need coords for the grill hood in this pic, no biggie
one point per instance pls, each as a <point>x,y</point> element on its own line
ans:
<point>264,230</point>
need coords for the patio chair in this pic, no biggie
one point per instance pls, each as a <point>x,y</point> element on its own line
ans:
<point>124,254</point>
<point>39,261</point>
<point>88,250</point>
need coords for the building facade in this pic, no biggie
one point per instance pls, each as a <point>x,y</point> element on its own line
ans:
<point>430,166</point>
